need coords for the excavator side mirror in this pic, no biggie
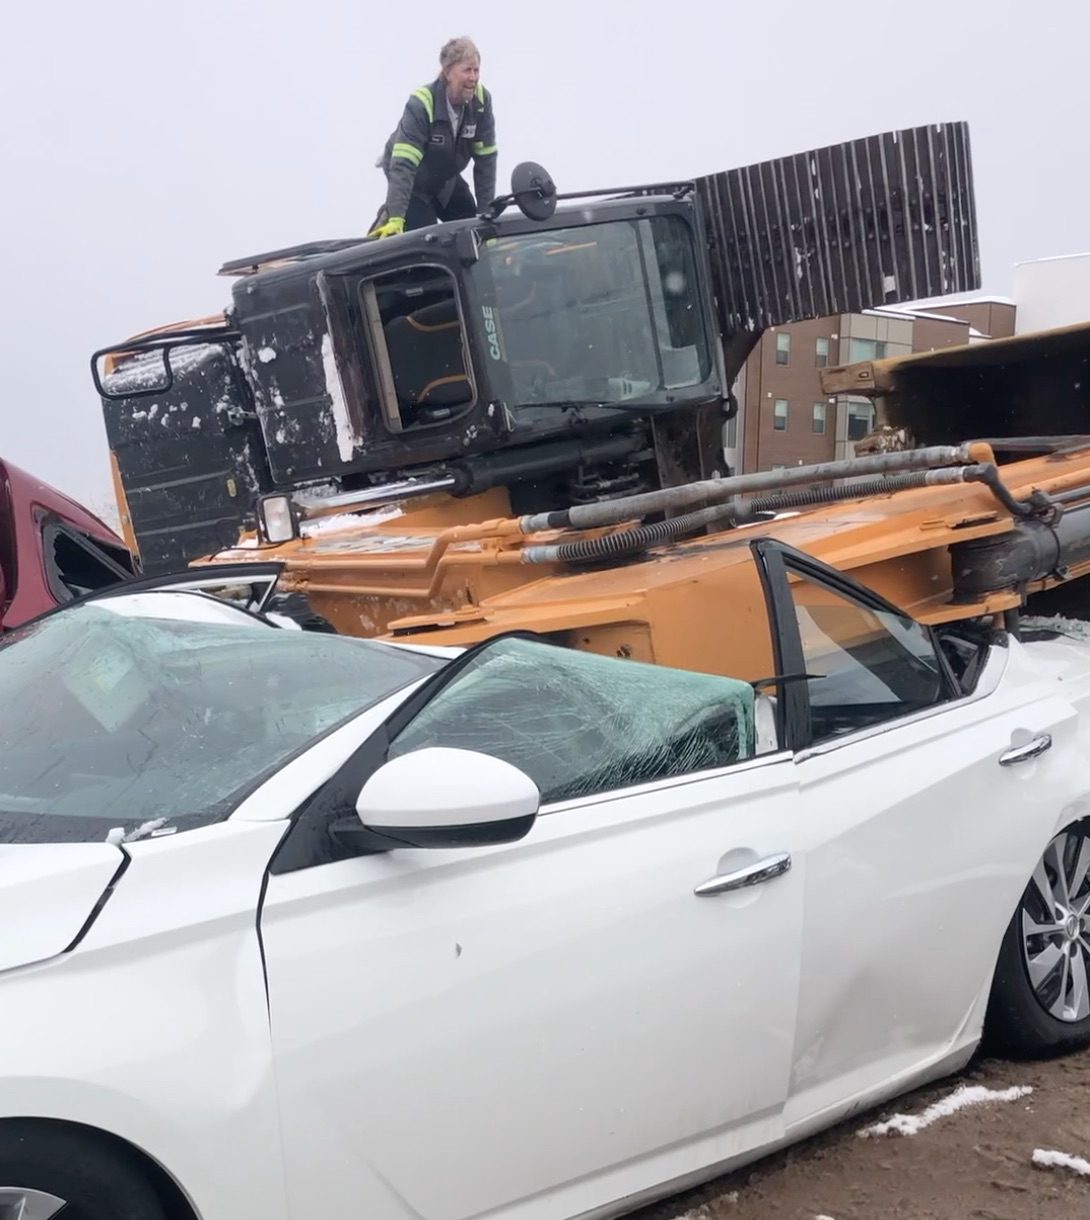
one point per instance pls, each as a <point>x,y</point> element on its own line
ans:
<point>531,188</point>
<point>534,190</point>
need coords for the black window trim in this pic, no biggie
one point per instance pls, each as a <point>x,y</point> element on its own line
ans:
<point>373,338</point>
<point>777,560</point>
<point>323,808</point>
<point>241,573</point>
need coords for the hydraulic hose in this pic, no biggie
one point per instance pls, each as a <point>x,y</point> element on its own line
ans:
<point>835,493</point>
<point>628,542</point>
<point>644,537</point>
<point>715,491</point>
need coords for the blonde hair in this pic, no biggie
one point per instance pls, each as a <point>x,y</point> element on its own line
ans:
<point>457,51</point>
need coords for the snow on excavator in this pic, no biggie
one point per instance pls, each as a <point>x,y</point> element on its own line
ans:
<point>516,422</point>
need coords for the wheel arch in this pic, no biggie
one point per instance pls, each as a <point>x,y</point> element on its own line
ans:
<point>1013,1023</point>
<point>174,1200</point>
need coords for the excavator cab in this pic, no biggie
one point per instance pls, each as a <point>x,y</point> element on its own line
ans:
<point>565,349</point>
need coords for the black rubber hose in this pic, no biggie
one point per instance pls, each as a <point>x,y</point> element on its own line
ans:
<point>832,494</point>
<point>721,490</point>
<point>644,537</point>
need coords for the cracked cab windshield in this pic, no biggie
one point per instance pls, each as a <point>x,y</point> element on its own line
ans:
<point>626,290</point>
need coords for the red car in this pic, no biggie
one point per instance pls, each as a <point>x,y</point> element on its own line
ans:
<point>51,548</point>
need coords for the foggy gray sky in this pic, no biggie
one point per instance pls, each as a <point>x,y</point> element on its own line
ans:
<point>143,144</point>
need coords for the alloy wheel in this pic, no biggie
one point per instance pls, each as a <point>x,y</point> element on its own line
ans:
<point>1056,927</point>
<point>21,1203</point>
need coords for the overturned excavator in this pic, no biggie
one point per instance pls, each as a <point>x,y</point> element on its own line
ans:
<point>516,421</point>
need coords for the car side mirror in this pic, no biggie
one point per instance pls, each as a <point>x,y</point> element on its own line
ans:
<point>440,797</point>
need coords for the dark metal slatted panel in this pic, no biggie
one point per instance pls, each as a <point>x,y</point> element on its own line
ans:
<point>871,222</point>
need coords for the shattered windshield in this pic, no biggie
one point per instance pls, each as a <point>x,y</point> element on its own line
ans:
<point>603,314</point>
<point>121,713</point>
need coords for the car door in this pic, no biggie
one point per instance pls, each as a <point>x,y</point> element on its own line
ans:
<point>541,1028</point>
<point>927,803</point>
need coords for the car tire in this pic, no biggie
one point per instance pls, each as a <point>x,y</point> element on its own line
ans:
<point>47,1171</point>
<point>1040,997</point>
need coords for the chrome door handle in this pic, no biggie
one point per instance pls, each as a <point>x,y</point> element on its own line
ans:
<point>1032,749</point>
<point>742,878</point>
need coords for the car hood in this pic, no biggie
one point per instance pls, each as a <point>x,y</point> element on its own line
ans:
<point>48,893</point>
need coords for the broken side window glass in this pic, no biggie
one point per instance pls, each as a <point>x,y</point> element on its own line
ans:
<point>579,723</point>
<point>76,564</point>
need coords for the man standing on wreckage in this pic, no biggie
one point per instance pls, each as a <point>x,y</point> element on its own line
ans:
<point>444,125</point>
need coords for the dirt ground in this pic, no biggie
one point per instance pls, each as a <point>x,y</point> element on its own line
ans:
<point>975,1164</point>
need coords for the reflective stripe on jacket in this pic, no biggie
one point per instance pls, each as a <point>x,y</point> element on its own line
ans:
<point>423,156</point>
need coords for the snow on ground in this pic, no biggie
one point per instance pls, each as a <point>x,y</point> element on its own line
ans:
<point>708,1211</point>
<point>965,1095</point>
<point>1045,1158</point>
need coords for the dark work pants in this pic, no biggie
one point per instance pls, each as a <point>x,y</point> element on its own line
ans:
<point>424,210</point>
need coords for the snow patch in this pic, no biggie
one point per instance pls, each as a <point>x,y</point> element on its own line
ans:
<point>965,1095</point>
<point>1046,1158</point>
<point>344,521</point>
<point>282,621</point>
<point>145,830</point>
<point>346,436</point>
<point>266,354</point>
<point>708,1211</point>
<point>147,370</point>
<point>196,421</point>
<point>118,835</point>
<point>1073,628</point>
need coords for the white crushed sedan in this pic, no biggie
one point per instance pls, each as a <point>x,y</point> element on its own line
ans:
<point>297,925</point>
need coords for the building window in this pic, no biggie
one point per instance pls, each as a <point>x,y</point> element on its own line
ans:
<point>730,433</point>
<point>819,418</point>
<point>783,347</point>
<point>779,415</point>
<point>821,352</point>
<point>866,349</point>
<point>860,420</point>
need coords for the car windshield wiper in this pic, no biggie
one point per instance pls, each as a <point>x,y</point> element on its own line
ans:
<point>157,826</point>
